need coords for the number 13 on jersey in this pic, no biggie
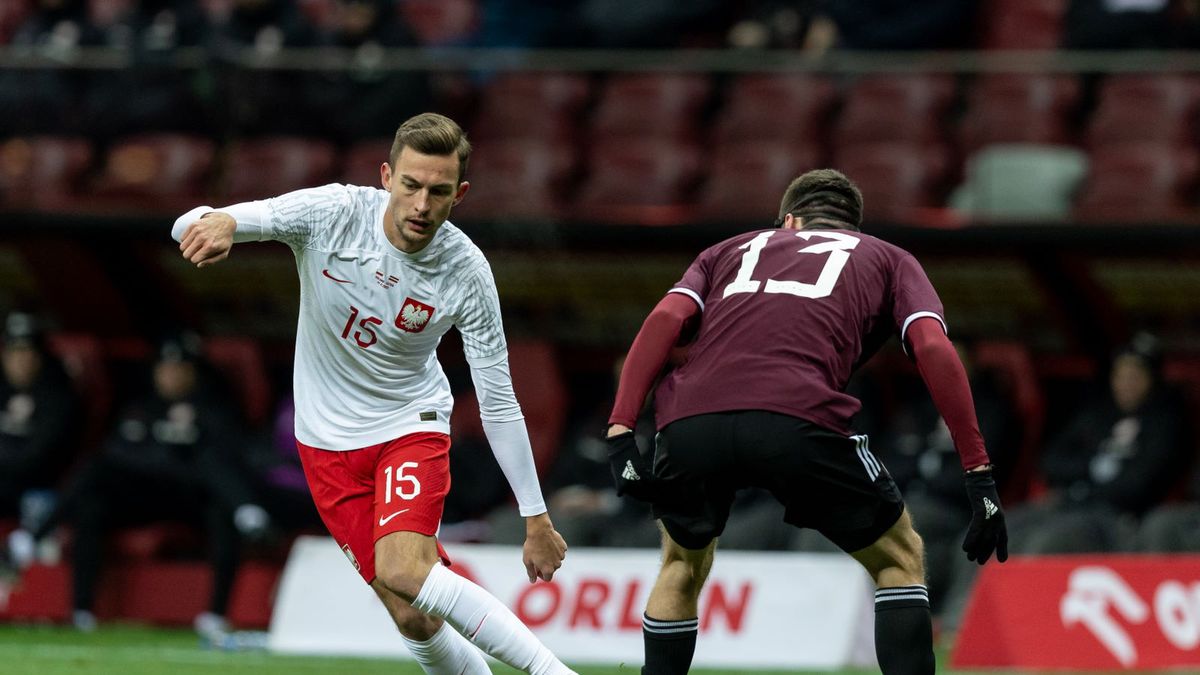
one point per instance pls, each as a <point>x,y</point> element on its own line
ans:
<point>838,247</point>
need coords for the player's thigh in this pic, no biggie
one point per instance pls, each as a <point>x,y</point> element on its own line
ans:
<point>692,465</point>
<point>697,560</point>
<point>343,491</point>
<point>826,481</point>
<point>896,558</point>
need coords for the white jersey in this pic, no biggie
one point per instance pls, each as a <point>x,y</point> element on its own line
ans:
<point>371,316</point>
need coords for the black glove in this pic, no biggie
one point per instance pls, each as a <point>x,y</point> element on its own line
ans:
<point>632,474</point>
<point>987,532</point>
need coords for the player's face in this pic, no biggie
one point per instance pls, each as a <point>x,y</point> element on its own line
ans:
<point>424,188</point>
<point>1130,381</point>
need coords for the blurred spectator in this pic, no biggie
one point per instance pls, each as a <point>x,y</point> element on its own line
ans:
<point>919,453</point>
<point>173,455</point>
<point>777,24</point>
<point>43,101</point>
<point>530,24</point>
<point>38,419</point>
<point>898,24</point>
<point>1118,24</point>
<point>258,101</point>
<point>1118,457</point>
<point>365,102</point>
<point>616,24</point>
<point>1174,528</point>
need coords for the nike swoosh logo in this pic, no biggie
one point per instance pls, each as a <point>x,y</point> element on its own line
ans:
<point>330,276</point>
<point>384,521</point>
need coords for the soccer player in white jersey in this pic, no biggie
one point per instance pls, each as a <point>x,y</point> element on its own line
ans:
<point>382,277</point>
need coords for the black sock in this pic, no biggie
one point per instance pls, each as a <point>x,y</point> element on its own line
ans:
<point>904,631</point>
<point>669,645</point>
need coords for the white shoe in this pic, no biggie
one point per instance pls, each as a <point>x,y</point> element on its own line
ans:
<point>83,620</point>
<point>22,549</point>
<point>212,627</point>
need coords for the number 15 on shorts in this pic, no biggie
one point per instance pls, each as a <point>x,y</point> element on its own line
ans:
<point>403,485</point>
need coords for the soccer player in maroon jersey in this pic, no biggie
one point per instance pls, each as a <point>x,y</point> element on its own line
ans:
<point>781,319</point>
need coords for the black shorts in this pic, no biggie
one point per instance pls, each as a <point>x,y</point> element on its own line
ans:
<point>825,481</point>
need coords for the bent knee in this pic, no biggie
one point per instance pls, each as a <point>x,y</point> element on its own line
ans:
<point>402,578</point>
<point>415,625</point>
<point>686,570</point>
<point>897,557</point>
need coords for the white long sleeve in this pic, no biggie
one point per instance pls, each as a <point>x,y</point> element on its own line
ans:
<point>251,217</point>
<point>504,425</point>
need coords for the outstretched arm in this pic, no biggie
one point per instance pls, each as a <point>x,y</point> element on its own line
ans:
<point>504,425</point>
<point>206,235</point>
<point>647,356</point>
<point>946,379</point>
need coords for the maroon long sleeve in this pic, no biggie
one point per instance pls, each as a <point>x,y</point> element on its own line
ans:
<point>946,380</point>
<point>648,354</point>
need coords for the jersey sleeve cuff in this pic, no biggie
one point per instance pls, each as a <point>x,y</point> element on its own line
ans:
<point>690,293</point>
<point>913,317</point>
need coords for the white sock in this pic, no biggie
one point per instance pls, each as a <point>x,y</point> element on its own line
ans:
<point>485,621</point>
<point>447,653</point>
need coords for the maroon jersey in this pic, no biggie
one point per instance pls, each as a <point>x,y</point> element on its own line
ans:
<point>787,317</point>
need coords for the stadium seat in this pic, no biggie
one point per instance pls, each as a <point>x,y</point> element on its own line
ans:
<point>1022,24</point>
<point>783,108</point>
<point>440,22</point>
<point>1135,108</point>
<point>157,171</point>
<point>360,164</point>
<point>1025,182</point>
<point>12,14</point>
<point>43,171</point>
<point>669,106</point>
<point>1012,362</point>
<point>517,179</point>
<point>747,179</point>
<point>897,179</point>
<point>545,106</point>
<point>240,361</point>
<point>1019,109</point>
<point>1138,183</point>
<point>887,108</point>
<point>627,177</point>
<point>542,392</point>
<point>257,169</point>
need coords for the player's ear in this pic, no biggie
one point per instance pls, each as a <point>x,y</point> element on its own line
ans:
<point>462,192</point>
<point>385,176</point>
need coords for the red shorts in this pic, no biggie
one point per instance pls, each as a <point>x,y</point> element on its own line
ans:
<point>364,494</point>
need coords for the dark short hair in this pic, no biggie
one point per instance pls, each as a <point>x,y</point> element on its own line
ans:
<point>823,194</point>
<point>433,134</point>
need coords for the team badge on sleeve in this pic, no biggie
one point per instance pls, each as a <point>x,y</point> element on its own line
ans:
<point>413,316</point>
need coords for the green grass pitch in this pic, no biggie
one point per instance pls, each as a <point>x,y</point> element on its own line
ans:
<point>141,650</point>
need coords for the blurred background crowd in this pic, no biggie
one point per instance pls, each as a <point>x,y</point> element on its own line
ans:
<point>1053,202</point>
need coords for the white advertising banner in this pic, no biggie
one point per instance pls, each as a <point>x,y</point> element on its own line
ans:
<point>770,610</point>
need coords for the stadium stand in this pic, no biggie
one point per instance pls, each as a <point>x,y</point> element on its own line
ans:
<point>897,180</point>
<point>747,177</point>
<point>1022,24</point>
<point>43,172</point>
<point>1156,108</point>
<point>649,173</point>
<point>518,179</point>
<point>543,106</point>
<point>666,106</point>
<point>1013,108</point>
<point>165,172</point>
<point>1138,182</point>
<point>260,168</point>
<point>440,22</point>
<point>782,108</point>
<point>890,108</point>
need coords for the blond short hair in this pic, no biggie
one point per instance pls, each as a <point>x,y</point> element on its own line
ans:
<point>433,134</point>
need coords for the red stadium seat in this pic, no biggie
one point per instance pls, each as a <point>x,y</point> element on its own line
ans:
<point>261,168</point>
<point>542,392</point>
<point>1019,109</point>
<point>643,106</point>
<point>545,106</point>
<point>440,22</point>
<point>1138,182</point>
<point>887,108</point>
<point>43,171</point>
<point>1022,24</point>
<point>748,178</point>
<point>158,171</point>
<point>1011,360</point>
<point>630,179</point>
<point>517,179</point>
<point>1135,108</point>
<point>360,165</point>
<point>12,14</point>
<point>783,108</point>
<point>240,361</point>
<point>897,179</point>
